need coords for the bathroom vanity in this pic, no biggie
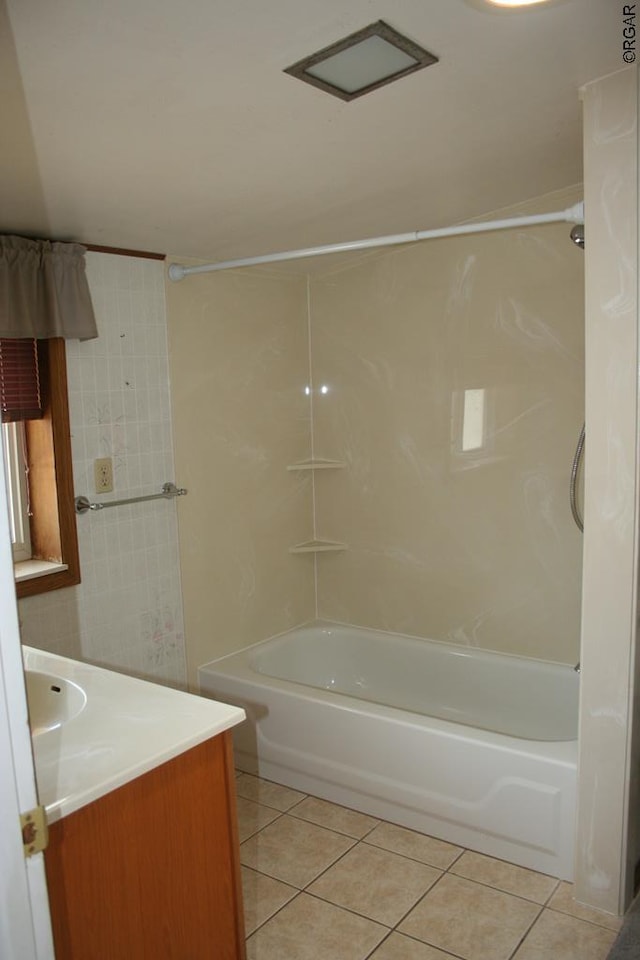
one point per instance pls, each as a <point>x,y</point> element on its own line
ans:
<point>138,785</point>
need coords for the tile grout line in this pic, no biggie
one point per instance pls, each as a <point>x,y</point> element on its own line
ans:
<point>340,833</point>
<point>424,943</point>
<point>350,910</point>
<point>394,928</point>
<point>358,840</point>
<point>365,838</point>
<point>302,889</point>
<point>414,905</point>
<point>259,829</point>
<point>275,913</point>
<point>553,893</point>
<point>526,933</point>
<point>508,893</point>
<point>378,945</point>
<point>572,916</point>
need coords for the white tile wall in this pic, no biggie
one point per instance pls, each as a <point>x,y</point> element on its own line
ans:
<point>127,612</point>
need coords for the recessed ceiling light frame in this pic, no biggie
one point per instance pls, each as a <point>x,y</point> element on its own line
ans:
<point>412,57</point>
<point>511,9</point>
<point>514,4</point>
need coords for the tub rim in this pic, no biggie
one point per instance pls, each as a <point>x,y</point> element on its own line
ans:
<point>562,752</point>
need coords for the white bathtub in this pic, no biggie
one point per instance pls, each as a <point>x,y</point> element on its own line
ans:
<point>472,747</point>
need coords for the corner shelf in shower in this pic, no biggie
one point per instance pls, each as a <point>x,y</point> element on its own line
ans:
<point>318,546</point>
<point>317,464</point>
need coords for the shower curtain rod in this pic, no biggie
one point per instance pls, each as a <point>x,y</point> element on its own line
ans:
<point>574,214</point>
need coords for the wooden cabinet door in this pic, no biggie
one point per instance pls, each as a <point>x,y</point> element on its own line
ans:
<point>151,870</point>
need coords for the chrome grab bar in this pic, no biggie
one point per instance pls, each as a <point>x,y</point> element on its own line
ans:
<point>169,491</point>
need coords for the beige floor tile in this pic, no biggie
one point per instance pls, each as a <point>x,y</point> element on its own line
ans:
<point>398,947</point>
<point>556,936</point>
<point>505,876</point>
<point>253,817</point>
<point>417,846</point>
<point>262,896</point>
<point>270,794</point>
<point>470,920</point>
<point>563,901</point>
<point>293,851</point>
<point>334,817</point>
<point>310,929</point>
<point>376,883</point>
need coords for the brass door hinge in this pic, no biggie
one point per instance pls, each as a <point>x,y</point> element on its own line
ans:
<point>35,835</point>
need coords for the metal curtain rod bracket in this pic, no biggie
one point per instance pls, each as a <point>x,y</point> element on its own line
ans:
<point>574,214</point>
<point>169,491</point>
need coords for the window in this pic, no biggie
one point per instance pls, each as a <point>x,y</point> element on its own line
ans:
<point>14,440</point>
<point>37,448</point>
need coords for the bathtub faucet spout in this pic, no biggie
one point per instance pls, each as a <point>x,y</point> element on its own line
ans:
<point>577,667</point>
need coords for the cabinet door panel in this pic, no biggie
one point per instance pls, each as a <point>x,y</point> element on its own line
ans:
<point>150,871</point>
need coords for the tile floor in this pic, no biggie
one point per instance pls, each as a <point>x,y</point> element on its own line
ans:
<point>325,883</point>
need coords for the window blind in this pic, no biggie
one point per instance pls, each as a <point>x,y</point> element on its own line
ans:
<point>19,380</point>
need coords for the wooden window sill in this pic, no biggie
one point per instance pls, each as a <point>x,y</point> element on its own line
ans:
<point>31,569</point>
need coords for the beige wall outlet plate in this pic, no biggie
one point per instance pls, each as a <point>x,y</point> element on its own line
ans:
<point>103,475</point>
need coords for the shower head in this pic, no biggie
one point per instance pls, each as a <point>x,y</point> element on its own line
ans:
<point>577,235</point>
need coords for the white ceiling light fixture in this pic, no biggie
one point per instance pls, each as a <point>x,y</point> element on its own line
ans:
<point>515,3</point>
<point>362,62</point>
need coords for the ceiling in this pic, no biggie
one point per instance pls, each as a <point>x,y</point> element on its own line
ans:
<point>171,127</point>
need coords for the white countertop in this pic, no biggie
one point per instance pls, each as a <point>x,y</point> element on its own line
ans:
<point>127,727</point>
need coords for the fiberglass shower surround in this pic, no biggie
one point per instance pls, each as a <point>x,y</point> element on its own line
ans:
<point>573,214</point>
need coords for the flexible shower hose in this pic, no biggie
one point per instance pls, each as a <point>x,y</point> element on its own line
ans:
<point>574,481</point>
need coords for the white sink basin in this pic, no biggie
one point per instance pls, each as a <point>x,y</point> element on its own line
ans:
<point>95,730</point>
<point>52,701</point>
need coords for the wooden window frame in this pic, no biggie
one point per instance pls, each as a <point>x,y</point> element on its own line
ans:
<point>53,524</point>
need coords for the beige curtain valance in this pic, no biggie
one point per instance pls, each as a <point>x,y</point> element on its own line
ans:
<point>44,291</point>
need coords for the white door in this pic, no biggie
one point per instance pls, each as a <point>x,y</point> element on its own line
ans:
<point>25,927</point>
